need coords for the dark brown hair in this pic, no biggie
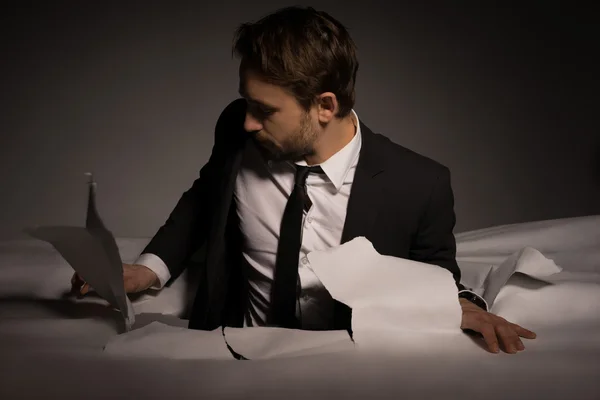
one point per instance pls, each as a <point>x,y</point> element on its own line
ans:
<point>305,51</point>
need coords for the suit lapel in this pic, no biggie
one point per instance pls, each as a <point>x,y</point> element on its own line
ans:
<point>214,269</point>
<point>364,196</point>
<point>232,128</point>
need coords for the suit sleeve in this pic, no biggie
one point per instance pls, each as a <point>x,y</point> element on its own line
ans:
<point>186,229</point>
<point>434,242</point>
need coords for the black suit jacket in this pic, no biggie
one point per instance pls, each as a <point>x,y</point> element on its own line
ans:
<point>400,201</point>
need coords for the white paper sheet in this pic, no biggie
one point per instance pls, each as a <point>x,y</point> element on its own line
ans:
<point>527,261</point>
<point>264,343</point>
<point>533,305</point>
<point>159,340</point>
<point>92,252</point>
<point>387,293</point>
<point>164,340</point>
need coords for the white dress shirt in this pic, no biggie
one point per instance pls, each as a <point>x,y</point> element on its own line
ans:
<point>261,193</point>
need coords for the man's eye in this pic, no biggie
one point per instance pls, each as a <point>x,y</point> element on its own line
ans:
<point>260,112</point>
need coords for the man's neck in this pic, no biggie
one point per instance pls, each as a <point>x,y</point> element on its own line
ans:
<point>333,139</point>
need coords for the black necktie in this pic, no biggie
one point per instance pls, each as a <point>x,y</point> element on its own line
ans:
<point>283,298</point>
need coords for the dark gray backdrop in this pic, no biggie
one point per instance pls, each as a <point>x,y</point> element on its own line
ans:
<point>503,95</point>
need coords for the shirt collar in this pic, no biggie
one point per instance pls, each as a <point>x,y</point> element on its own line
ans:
<point>338,165</point>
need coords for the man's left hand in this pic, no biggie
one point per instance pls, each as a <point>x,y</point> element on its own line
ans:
<point>496,330</point>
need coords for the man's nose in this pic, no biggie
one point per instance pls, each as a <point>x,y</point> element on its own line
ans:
<point>251,124</point>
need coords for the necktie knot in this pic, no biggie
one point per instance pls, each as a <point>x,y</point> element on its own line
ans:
<point>303,171</point>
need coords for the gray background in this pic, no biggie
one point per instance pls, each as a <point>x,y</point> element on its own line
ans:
<point>504,96</point>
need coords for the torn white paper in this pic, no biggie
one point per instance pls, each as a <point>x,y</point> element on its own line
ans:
<point>388,293</point>
<point>264,343</point>
<point>93,253</point>
<point>158,340</point>
<point>527,261</point>
<point>531,290</point>
<point>406,307</point>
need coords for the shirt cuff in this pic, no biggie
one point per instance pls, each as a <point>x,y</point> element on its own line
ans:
<point>487,308</point>
<point>156,265</point>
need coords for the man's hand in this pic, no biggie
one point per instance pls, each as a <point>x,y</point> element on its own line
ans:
<point>496,330</point>
<point>136,278</point>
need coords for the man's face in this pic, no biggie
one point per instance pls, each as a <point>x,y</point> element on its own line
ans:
<point>281,126</point>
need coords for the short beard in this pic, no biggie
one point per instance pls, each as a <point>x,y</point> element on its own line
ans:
<point>300,146</point>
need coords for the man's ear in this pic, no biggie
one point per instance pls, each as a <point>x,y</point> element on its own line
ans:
<point>327,107</point>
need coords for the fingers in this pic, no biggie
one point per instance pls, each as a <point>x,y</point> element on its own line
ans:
<point>509,339</point>
<point>79,286</point>
<point>526,333</point>
<point>489,335</point>
<point>496,331</point>
<point>85,289</point>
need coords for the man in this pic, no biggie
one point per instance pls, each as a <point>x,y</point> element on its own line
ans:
<point>294,170</point>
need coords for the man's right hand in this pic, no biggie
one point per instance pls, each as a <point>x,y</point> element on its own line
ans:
<point>136,278</point>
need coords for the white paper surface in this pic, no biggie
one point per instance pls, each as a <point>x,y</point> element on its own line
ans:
<point>536,305</point>
<point>562,363</point>
<point>93,253</point>
<point>158,340</point>
<point>572,243</point>
<point>264,343</point>
<point>163,340</point>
